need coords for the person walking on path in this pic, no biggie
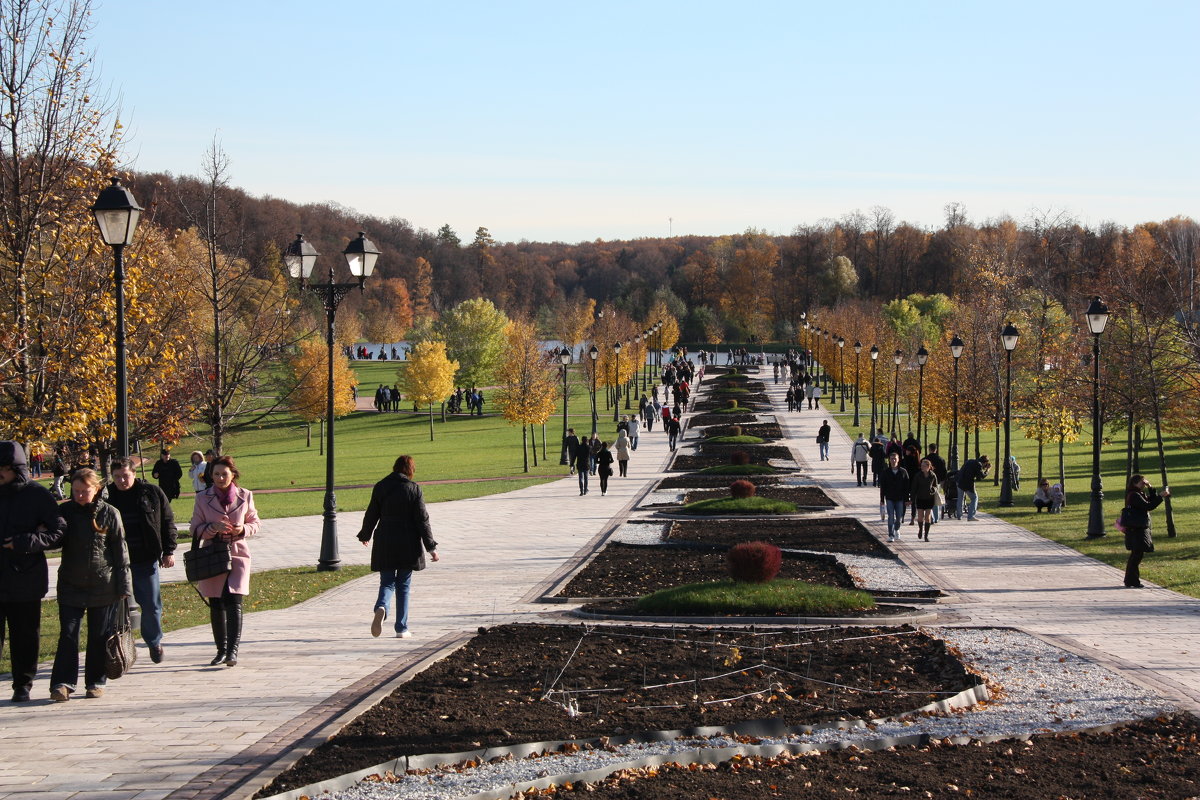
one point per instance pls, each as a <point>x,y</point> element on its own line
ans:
<point>975,469</point>
<point>894,487</point>
<point>633,433</point>
<point>860,454</point>
<point>1140,500</point>
<point>823,440</point>
<point>924,497</point>
<point>673,428</point>
<point>150,536</point>
<point>398,520</point>
<point>226,512</point>
<point>878,461</point>
<point>622,446</point>
<point>92,578</point>
<point>582,458</point>
<point>604,462</point>
<point>939,469</point>
<point>31,523</point>
<point>196,471</point>
<point>168,473</point>
<point>58,468</point>
<point>572,442</point>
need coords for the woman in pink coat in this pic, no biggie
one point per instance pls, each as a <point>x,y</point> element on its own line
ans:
<point>226,511</point>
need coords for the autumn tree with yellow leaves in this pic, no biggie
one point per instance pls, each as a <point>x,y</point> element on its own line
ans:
<point>429,377</point>
<point>529,384</point>
<point>308,370</point>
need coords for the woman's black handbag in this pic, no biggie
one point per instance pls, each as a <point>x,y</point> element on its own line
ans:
<point>207,562</point>
<point>119,652</point>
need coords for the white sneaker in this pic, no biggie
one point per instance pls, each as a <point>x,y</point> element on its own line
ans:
<point>404,635</point>
<point>377,622</point>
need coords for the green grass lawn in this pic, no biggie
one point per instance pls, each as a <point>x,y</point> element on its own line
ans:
<point>182,607</point>
<point>780,596</point>
<point>1175,563</point>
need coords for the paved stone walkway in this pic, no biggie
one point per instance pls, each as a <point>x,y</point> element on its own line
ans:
<point>183,729</point>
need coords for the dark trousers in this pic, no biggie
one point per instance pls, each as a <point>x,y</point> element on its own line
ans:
<point>623,464</point>
<point>860,472</point>
<point>23,621</point>
<point>1133,575</point>
<point>66,660</point>
<point>604,482</point>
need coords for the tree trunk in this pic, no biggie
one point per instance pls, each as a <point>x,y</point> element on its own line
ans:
<point>431,422</point>
<point>533,436</point>
<point>443,413</point>
<point>999,467</point>
<point>1129,446</point>
<point>321,439</point>
<point>525,446</point>
<point>1062,466</point>
<point>1039,466</point>
<point>308,434</point>
<point>543,441</point>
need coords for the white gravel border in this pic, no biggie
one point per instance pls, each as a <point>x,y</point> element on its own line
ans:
<point>1041,689</point>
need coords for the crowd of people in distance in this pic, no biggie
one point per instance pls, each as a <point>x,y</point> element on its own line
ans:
<point>363,353</point>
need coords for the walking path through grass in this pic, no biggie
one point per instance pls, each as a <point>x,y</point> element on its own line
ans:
<point>1001,574</point>
<point>184,730</point>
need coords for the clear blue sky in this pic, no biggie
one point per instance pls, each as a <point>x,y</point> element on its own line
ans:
<point>577,121</point>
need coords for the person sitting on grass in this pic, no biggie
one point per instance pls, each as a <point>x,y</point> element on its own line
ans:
<point>1058,498</point>
<point>1041,498</point>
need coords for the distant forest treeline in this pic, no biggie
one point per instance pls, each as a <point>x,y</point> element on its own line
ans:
<point>737,287</point>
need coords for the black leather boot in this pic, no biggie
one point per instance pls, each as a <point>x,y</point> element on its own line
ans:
<point>233,637</point>
<point>216,616</point>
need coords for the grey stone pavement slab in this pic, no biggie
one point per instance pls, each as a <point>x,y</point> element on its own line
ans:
<point>185,730</point>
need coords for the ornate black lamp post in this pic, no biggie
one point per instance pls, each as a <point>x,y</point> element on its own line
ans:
<point>617,381</point>
<point>1097,318</point>
<point>645,358</point>
<point>956,350</point>
<point>1008,337</point>
<point>897,358</point>
<point>564,358</point>
<point>594,354</point>
<point>299,258</point>
<point>874,359</point>
<point>841,343</point>
<point>631,384</point>
<point>922,357</point>
<point>857,353</point>
<point>117,215</point>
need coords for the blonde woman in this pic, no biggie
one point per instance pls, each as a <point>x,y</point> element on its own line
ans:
<point>93,578</point>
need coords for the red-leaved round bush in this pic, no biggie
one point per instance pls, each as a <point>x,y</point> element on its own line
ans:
<point>739,458</point>
<point>741,489</point>
<point>754,562</point>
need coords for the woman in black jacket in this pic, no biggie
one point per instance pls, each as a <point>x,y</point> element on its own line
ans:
<point>1140,499</point>
<point>92,578</point>
<point>604,462</point>
<point>397,518</point>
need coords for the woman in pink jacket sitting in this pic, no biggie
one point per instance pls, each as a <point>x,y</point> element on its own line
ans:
<point>226,511</point>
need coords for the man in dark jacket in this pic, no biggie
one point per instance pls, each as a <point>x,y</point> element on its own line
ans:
<point>397,518</point>
<point>150,534</point>
<point>894,487</point>
<point>673,428</point>
<point>30,524</point>
<point>572,442</point>
<point>974,469</point>
<point>168,473</point>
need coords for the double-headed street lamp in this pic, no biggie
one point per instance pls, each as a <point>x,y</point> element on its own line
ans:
<point>117,215</point>
<point>299,258</point>
<point>594,354</point>
<point>1097,318</point>
<point>857,353</point>
<point>956,350</point>
<point>841,342</point>
<point>874,360</point>
<point>1008,337</point>
<point>922,357</point>
<point>564,358</point>
<point>897,358</point>
<point>617,381</point>
<point>631,384</point>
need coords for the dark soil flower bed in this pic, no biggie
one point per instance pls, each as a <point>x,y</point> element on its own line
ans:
<point>766,430</point>
<point>799,495</point>
<point>829,534</point>
<point>511,684</point>
<point>756,401</point>
<point>627,570</point>
<point>1151,759</point>
<point>742,416</point>
<point>702,481</point>
<point>629,608</point>
<point>716,455</point>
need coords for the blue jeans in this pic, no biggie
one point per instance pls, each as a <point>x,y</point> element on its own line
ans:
<point>395,582</point>
<point>583,480</point>
<point>895,517</point>
<point>824,448</point>
<point>148,595</point>
<point>971,507</point>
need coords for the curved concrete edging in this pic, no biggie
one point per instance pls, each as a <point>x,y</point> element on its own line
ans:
<point>678,515</point>
<point>761,728</point>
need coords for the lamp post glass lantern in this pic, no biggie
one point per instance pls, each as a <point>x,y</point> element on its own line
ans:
<point>1008,337</point>
<point>300,258</point>
<point>857,383</point>
<point>117,215</point>
<point>564,358</point>
<point>594,354</point>
<point>841,343</point>
<point>1097,319</point>
<point>874,359</point>
<point>895,419</point>
<point>616,381</point>
<point>922,357</point>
